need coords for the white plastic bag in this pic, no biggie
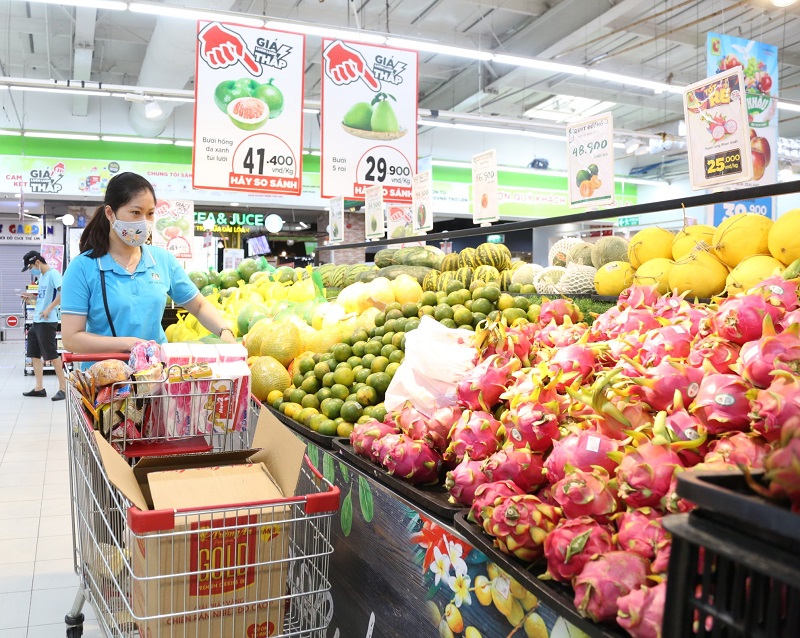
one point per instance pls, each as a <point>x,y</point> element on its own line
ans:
<point>437,358</point>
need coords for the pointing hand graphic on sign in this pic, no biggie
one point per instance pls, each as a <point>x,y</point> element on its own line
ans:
<point>220,47</point>
<point>344,65</point>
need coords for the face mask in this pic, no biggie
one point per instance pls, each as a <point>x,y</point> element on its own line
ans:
<point>133,233</point>
<point>35,272</point>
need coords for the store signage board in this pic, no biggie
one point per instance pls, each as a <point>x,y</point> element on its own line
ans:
<point>717,134</point>
<point>399,224</point>
<point>422,202</point>
<point>368,120</point>
<point>628,221</point>
<point>232,257</point>
<point>336,220</point>
<point>485,208</point>
<point>54,256</point>
<point>590,162</point>
<point>759,206</point>
<point>174,227</point>
<point>374,225</point>
<point>248,118</point>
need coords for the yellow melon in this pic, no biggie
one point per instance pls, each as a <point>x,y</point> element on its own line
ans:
<point>654,272</point>
<point>612,278</point>
<point>701,274</point>
<point>690,238</point>
<point>750,272</point>
<point>742,236</point>
<point>784,237</point>
<point>650,243</point>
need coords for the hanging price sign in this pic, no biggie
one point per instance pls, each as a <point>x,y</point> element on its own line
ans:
<point>374,224</point>
<point>422,201</point>
<point>590,158</point>
<point>336,220</point>
<point>248,114</point>
<point>485,208</point>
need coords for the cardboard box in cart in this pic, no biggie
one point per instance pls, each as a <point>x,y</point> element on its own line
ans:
<point>211,574</point>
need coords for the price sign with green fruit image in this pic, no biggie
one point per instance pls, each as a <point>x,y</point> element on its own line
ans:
<point>422,202</point>
<point>374,225</point>
<point>485,207</point>
<point>336,220</point>
<point>590,161</point>
<point>174,227</point>
<point>369,120</point>
<point>248,121</point>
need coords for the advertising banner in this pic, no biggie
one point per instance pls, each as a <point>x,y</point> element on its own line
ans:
<point>485,208</point>
<point>54,256</point>
<point>232,257</point>
<point>717,137</point>
<point>368,120</point>
<point>374,226</point>
<point>590,158</point>
<point>421,203</point>
<point>248,118</point>
<point>336,220</point>
<point>174,227</point>
<point>399,224</point>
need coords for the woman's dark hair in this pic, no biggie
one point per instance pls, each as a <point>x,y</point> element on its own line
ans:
<point>121,189</point>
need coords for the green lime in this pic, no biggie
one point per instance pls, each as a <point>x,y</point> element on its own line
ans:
<point>410,309</point>
<point>394,314</point>
<point>323,393</point>
<point>379,412</point>
<point>462,316</point>
<point>515,288</point>
<point>311,385</point>
<point>390,326</point>
<point>354,361</point>
<point>321,369</point>
<point>491,293</point>
<point>342,352</point>
<point>483,306</point>
<point>453,299</point>
<point>392,306</point>
<point>315,421</point>
<point>351,411</point>
<point>361,375</point>
<point>454,286</point>
<point>378,332</point>
<point>367,359</point>
<point>397,356</point>
<point>528,289</point>
<point>338,420</point>
<point>327,380</point>
<point>287,394</point>
<point>310,401</point>
<point>380,381</point>
<point>379,365</point>
<point>522,303</point>
<point>380,319</point>
<point>400,325</point>
<point>412,324</point>
<point>344,376</point>
<point>505,301</point>
<point>339,391</point>
<point>533,313</point>
<point>467,327</point>
<point>297,379</point>
<point>428,299</point>
<point>305,414</point>
<point>511,314</point>
<point>440,296</point>
<point>477,317</point>
<point>391,369</point>
<point>367,396</point>
<point>297,395</point>
<point>397,340</point>
<point>343,364</point>
<point>277,403</point>
<point>306,364</point>
<point>466,295</point>
<point>328,428</point>
<point>358,348</point>
<point>387,338</point>
<point>344,429</point>
<point>359,334</point>
<point>468,304</point>
<point>387,350</point>
<point>443,312</point>
<point>331,407</point>
<point>426,310</point>
<point>448,323</point>
<point>372,348</point>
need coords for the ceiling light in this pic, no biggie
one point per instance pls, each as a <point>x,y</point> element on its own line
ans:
<point>433,47</point>
<point>658,87</point>
<point>67,219</point>
<point>188,143</point>
<point>136,140</point>
<point>92,4</point>
<point>783,3</point>
<point>193,14</point>
<point>491,129</point>
<point>153,110</point>
<point>234,203</point>
<point>6,132</point>
<point>327,32</point>
<point>788,106</point>
<point>632,145</point>
<point>273,223</point>
<point>62,136</point>
<point>64,91</point>
<point>544,65</point>
<point>311,111</point>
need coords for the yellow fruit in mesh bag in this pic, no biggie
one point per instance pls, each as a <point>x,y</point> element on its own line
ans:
<point>322,340</point>
<point>380,290</point>
<point>281,341</point>
<point>406,289</point>
<point>268,374</point>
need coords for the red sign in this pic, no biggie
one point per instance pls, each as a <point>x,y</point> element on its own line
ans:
<point>12,321</point>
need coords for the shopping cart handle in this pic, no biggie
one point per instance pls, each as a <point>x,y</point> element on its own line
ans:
<point>69,357</point>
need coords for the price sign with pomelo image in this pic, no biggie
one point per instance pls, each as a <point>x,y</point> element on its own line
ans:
<point>368,120</point>
<point>174,227</point>
<point>336,220</point>
<point>422,202</point>
<point>374,225</point>
<point>248,120</point>
<point>590,161</point>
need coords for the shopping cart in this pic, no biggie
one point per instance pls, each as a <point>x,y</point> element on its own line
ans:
<point>205,555</point>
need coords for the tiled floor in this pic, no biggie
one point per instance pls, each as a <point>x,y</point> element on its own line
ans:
<point>37,581</point>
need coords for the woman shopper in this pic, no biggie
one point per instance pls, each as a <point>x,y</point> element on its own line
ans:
<point>114,293</point>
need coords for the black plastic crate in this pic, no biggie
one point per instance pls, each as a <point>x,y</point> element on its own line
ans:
<point>727,584</point>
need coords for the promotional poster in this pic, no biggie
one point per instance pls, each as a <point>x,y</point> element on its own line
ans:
<point>174,227</point>
<point>422,206</point>
<point>590,158</point>
<point>336,220</point>
<point>374,225</point>
<point>485,208</point>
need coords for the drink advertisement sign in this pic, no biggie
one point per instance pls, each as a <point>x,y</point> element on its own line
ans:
<point>174,227</point>
<point>590,158</point>
<point>717,135</point>
<point>369,120</point>
<point>248,119</point>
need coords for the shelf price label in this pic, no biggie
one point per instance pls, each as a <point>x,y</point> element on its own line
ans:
<point>590,161</point>
<point>485,208</point>
<point>248,118</point>
<point>336,220</point>
<point>368,120</point>
<point>374,223</point>
<point>758,206</point>
<point>717,133</point>
<point>422,202</point>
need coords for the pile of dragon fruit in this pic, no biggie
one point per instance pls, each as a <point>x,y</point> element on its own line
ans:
<point>567,439</point>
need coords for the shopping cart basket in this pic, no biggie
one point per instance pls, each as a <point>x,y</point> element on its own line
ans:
<point>205,554</point>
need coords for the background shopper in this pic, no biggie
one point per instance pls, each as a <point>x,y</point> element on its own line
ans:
<point>42,339</point>
<point>115,291</point>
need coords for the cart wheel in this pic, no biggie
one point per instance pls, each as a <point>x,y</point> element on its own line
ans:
<point>75,632</point>
<point>74,625</point>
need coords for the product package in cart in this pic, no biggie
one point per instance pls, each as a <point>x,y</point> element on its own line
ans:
<point>225,403</point>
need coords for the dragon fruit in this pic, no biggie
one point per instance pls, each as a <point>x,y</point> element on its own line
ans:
<point>736,450</point>
<point>772,352</point>
<point>683,432</point>
<point>464,479</point>
<point>641,612</point>
<point>722,403</point>
<point>670,341</point>
<point>477,434</point>
<point>481,388</point>
<point>714,354</point>
<point>555,335</point>
<point>627,321</point>
<point>661,563</point>
<point>644,475</point>
<point>782,471</point>
<point>789,319</point>
<point>413,461</point>
<point>582,493</point>
<point>520,524</point>
<point>638,297</point>
<point>531,424</point>
<point>573,363</point>
<point>581,451</point>
<point>661,383</point>
<point>572,543</point>
<point>496,338</point>
<point>641,532</point>
<point>557,310</point>
<point>778,292</point>
<point>740,319</point>
<point>382,445</point>
<point>365,434</point>
<point>516,464</point>
<point>433,430</point>
<point>487,494</point>
<point>605,578</point>
<point>776,406</point>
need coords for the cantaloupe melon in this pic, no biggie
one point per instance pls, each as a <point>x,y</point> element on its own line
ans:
<point>557,255</point>
<point>650,243</point>
<point>654,272</point>
<point>701,274</point>
<point>742,236</point>
<point>691,237</point>
<point>577,280</point>
<point>612,278</point>
<point>580,254</point>
<point>546,280</point>
<point>608,249</point>
<point>751,271</point>
<point>784,237</point>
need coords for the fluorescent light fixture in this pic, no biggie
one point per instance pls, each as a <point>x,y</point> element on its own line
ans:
<point>658,87</point>
<point>188,143</point>
<point>64,91</point>
<point>311,111</point>
<point>783,3</point>
<point>7,132</point>
<point>62,136</point>
<point>788,106</point>
<point>315,153</point>
<point>492,129</point>
<point>166,98</point>
<point>136,140</point>
<point>544,65</point>
<point>187,13</point>
<point>327,32</point>
<point>640,181</point>
<point>632,145</point>
<point>92,4</point>
<point>234,203</point>
<point>433,47</point>
<point>153,110</point>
